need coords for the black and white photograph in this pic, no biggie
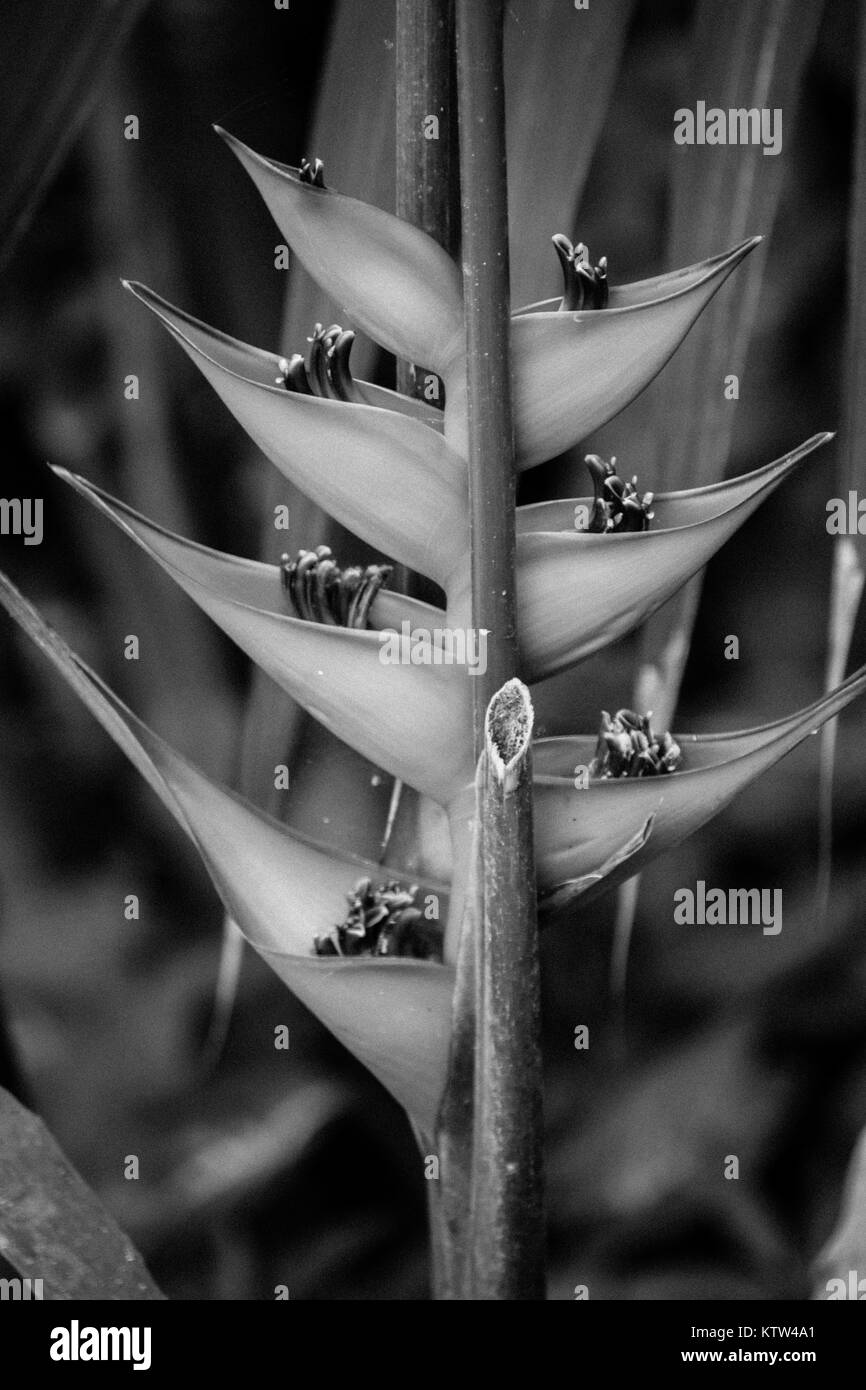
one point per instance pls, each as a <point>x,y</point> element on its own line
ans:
<point>432,666</point>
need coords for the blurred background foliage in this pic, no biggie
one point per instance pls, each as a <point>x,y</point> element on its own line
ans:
<point>292,1167</point>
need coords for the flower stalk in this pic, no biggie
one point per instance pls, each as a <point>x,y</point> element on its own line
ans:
<point>492,1166</point>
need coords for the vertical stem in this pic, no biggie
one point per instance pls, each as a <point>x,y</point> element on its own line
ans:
<point>849,570</point>
<point>506,1209</point>
<point>427,185</point>
<point>486,288</point>
<point>499,952</point>
<point>428,196</point>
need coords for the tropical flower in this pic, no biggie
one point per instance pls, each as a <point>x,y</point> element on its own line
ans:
<point>344,934</point>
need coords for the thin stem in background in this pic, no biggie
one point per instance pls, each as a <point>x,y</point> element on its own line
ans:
<point>487,301</point>
<point>848,564</point>
<point>428,185</point>
<point>427,192</point>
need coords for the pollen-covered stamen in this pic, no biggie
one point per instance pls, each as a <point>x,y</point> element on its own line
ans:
<point>617,506</point>
<point>585,284</point>
<point>627,747</point>
<point>312,171</point>
<point>339,372</point>
<point>318,365</point>
<point>326,372</point>
<point>293,375</point>
<point>383,920</point>
<point>320,592</point>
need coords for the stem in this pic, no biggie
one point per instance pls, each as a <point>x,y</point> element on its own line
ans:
<point>492,487</point>
<point>427,185</point>
<point>428,196</point>
<point>507,1217</point>
<point>491,1138</point>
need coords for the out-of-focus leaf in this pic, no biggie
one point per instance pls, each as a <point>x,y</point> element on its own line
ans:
<point>282,890</point>
<point>560,68</point>
<point>849,551</point>
<point>747,57</point>
<point>52,1227</point>
<point>414,720</point>
<point>395,281</point>
<point>54,58</point>
<point>844,1254</point>
<point>578,592</point>
<point>385,475</point>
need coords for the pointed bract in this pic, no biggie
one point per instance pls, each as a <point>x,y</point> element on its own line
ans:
<point>574,371</point>
<point>394,281</point>
<point>578,827</point>
<point>578,592</point>
<point>414,720</point>
<point>282,889</point>
<point>384,474</point>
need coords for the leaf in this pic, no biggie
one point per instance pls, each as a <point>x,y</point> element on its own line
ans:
<point>283,889</point>
<point>557,900</point>
<point>848,572</point>
<point>574,371</point>
<point>55,60</point>
<point>559,81</point>
<point>384,474</point>
<point>53,1228</point>
<point>844,1253</point>
<point>413,720</point>
<point>578,592</point>
<point>395,281</point>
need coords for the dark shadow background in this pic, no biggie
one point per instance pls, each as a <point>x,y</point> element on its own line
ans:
<point>294,1168</point>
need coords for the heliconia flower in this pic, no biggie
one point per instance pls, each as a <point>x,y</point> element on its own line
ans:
<point>572,371</point>
<point>578,592</point>
<point>377,466</point>
<point>579,820</point>
<point>414,719</point>
<point>283,890</point>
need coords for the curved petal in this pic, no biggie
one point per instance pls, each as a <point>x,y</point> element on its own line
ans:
<point>385,475</point>
<point>555,900</point>
<point>687,507</point>
<point>643,291</point>
<point>282,889</point>
<point>395,281</point>
<point>579,592</point>
<point>574,371</point>
<point>576,829</point>
<point>413,720</point>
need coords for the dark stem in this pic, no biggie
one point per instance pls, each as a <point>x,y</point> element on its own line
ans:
<point>427,183</point>
<point>486,288</point>
<point>497,1037</point>
<point>428,196</point>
